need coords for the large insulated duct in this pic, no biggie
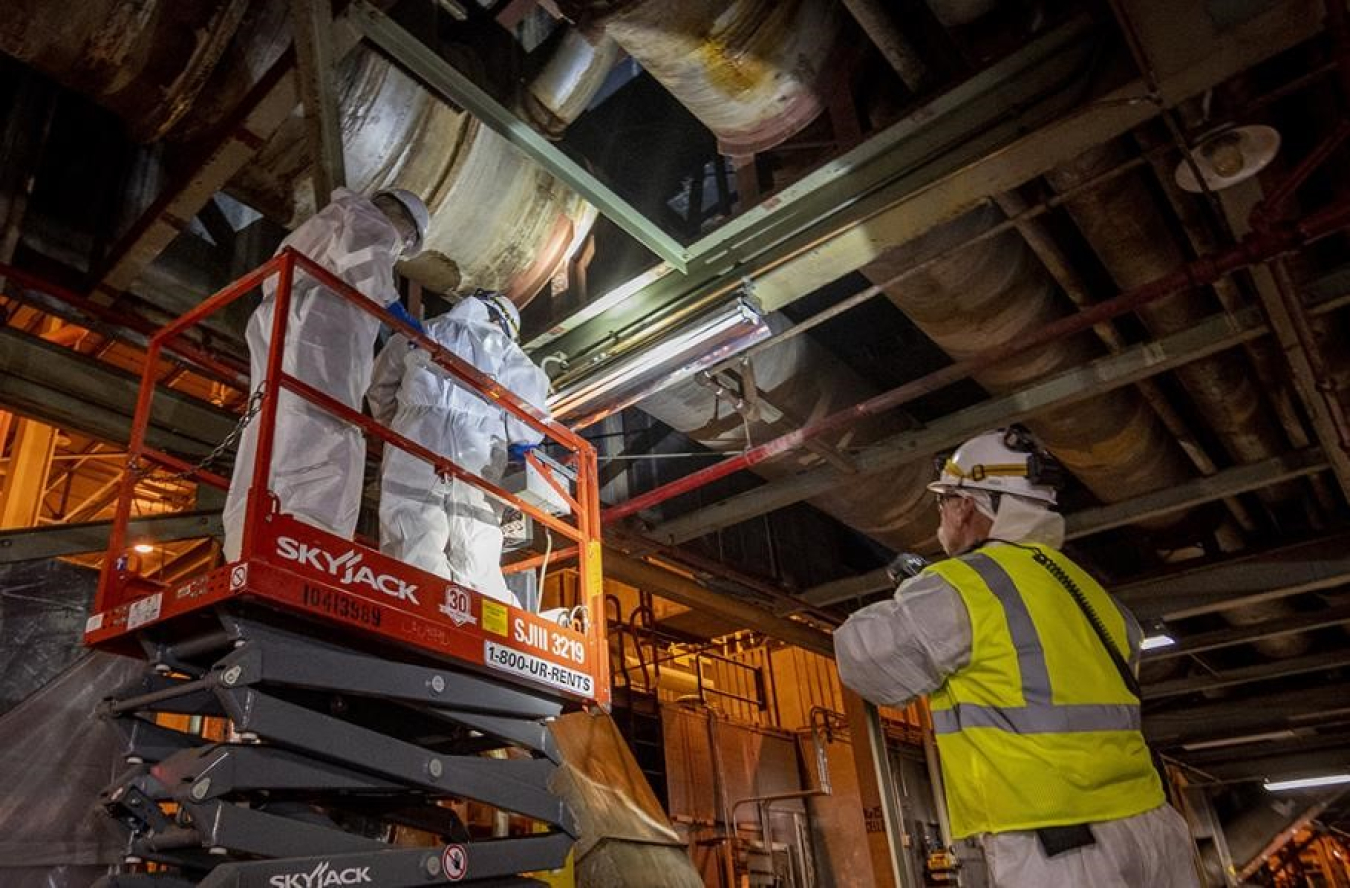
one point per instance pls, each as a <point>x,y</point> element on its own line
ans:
<point>147,61</point>
<point>498,220</point>
<point>997,291</point>
<point>1126,228</point>
<point>801,381</point>
<point>753,71</point>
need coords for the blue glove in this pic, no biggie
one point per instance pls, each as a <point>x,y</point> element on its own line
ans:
<point>516,452</point>
<point>397,310</point>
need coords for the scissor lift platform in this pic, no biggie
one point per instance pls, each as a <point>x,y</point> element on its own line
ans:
<point>355,692</point>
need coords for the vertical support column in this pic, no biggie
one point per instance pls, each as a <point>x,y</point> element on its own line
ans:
<point>26,474</point>
<point>886,839</point>
<point>312,23</point>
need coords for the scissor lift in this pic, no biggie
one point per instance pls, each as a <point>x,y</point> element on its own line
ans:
<point>356,693</point>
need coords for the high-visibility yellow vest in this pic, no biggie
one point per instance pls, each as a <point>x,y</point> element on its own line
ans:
<point>1039,729</point>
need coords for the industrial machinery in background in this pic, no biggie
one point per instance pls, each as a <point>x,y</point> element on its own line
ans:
<point>335,695</point>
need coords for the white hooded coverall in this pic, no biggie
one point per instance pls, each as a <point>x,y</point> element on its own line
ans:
<point>451,528</point>
<point>896,650</point>
<point>317,459</point>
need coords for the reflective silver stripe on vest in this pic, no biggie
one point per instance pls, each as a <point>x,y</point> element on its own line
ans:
<point>1134,640</point>
<point>1025,638</point>
<point>1064,719</point>
<point>1040,715</point>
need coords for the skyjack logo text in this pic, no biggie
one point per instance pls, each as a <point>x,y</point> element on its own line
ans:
<point>323,876</point>
<point>347,569</point>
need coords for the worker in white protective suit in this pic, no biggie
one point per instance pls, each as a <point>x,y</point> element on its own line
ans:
<point>1036,718</point>
<point>317,459</point>
<point>446,526</point>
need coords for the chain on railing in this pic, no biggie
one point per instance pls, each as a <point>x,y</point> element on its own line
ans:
<point>251,409</point>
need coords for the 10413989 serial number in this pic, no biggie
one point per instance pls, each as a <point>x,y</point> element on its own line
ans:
<point>344,607</point>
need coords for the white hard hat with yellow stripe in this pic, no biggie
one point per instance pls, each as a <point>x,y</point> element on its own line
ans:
<point>1005,461</point>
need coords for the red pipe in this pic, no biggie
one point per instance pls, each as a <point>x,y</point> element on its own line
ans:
<point>1256,247</point>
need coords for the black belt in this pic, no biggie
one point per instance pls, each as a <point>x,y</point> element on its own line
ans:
<point>1056,840</point>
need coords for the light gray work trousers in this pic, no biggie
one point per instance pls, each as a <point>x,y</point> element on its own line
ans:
<point>1149,850</point>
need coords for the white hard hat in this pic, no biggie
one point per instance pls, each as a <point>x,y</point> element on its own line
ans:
<point>502,310</point>
<point>1002,461</point>
<point>417,211</point>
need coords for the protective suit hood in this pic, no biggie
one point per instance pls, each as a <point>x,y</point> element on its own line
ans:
<point>1023,521</point>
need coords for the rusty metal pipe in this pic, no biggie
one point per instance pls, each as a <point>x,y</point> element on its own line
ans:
<point>878,22</point>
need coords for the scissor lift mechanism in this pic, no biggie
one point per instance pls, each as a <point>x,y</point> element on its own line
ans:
<point>358,692</point>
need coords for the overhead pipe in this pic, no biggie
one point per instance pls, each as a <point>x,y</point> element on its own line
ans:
<point>754,73</point>
<point>1254,248</point>
<point>521,225</point>
<point>569,80</point>
<point>878,21</point>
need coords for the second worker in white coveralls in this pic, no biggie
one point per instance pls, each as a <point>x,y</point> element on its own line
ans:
<point>1028,664</point>
<point>449,527</point>
<point>317,459</point>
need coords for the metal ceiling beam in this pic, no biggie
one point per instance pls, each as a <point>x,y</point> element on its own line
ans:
<point>312,24</point>
<point>1247,716</point>
<point>682,590</point>
<point>1255,752</point>
<point>852,210</point>
<point>1306,759</point>
<point>61,540</point>
<point>1234,635</point>
<point>55,385</point>
<point>1247,675</point>
<point>1215,334</point>
<point>1306,567</point>
<point>406,51</point>
<point>1224,483</point>
<point>1228,482</point>
<point>265,108</point>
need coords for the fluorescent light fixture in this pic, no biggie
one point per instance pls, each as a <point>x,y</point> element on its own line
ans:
<point>1157,640</point>
<point>144,548</point>
<point>676,357</point>
<point>1307,782</point>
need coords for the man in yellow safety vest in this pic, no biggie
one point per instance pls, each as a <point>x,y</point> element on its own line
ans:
<point>1037,719</point>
